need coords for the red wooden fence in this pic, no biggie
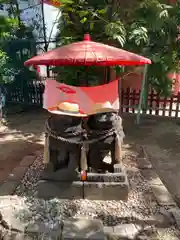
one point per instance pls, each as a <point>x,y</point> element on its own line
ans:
<point>156,105</point>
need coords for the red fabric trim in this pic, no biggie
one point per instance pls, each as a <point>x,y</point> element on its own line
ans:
<point>84,63</point>
<point>88,53</point>
<point>54,3</point>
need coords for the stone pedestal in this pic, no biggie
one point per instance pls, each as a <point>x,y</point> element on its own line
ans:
<point>67,184</point>
<point>107,186</point>
<point>64,183</point>
<point>62,190</point>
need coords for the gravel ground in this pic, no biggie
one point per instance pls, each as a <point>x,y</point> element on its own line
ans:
<point>140,207</point>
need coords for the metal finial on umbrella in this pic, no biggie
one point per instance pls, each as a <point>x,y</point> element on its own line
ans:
<point>87,37</point>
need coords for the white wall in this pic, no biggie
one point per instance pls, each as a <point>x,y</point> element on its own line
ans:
<point>50,14</point>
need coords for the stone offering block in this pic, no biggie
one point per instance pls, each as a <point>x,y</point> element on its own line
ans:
<point>106,177</point>
<point>107,186</point>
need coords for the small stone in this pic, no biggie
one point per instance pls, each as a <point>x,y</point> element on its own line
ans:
<point>27,161</point>
<point>83,229</point>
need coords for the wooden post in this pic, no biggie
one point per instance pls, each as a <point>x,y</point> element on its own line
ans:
<point>141,95</point>
<point>177,105</point>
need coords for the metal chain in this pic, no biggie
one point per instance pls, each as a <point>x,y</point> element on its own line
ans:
<point>103,135</point>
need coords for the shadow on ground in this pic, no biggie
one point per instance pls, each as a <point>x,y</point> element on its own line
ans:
<point>12,152</point>
<point>161,138</point>
<point>27,123</point>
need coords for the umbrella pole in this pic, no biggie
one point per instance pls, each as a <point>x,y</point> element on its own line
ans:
<point>141,95</point>
<point>86,76</point>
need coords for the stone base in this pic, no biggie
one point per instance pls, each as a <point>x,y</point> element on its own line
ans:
<point>67,184</point>
<point>106,191</point>
<point>63,190</point>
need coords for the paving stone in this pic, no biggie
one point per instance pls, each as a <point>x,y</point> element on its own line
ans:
<point>17,173</point>
<point>143,160</point>
<point>152,177</point>
<point>11,216</point>
<point>163,234</point>
<point>80,229</point>
<point>176,214</point>
<point>109,232</point>
<point>21,229</point>
<point>8,187</point>
<point>143,163</point>
<point>128,231</point>
<point>20,236</point>
<point>160,221</point>
<point>162,195</point>
<point>27,160</point>
<point>167,214</point>
<point>56,189</point>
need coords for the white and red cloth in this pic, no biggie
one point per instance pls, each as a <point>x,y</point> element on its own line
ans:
<point>85,97</point>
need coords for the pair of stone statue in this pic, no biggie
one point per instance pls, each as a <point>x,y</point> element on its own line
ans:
<point>87,141</point>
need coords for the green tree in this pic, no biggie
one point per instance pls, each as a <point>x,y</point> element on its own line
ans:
<point>14,38</point>
<point>147,27</point>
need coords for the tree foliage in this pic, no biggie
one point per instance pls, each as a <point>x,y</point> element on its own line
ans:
<point>147,27</point>
<point>12,33</point>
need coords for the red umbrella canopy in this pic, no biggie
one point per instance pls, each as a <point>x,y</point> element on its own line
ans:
<point>88,53</point>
